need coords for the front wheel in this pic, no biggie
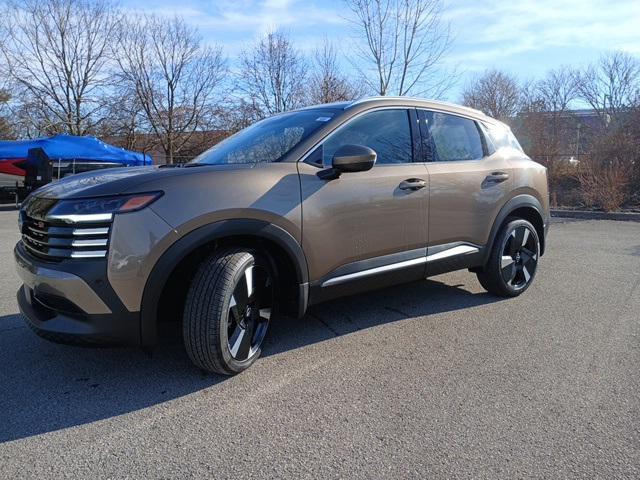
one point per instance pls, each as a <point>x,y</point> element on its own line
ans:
<point>227,312</point>
<point>513,261</point>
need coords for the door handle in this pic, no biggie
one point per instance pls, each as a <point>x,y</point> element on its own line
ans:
<point>412,184</point>
<point>497,177</point>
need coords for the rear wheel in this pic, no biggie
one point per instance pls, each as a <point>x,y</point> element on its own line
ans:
<point>228,309</point>
<point>513,261</point>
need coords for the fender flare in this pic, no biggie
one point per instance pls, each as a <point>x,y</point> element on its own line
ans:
<point>201,236</point>
<point>519,201</point>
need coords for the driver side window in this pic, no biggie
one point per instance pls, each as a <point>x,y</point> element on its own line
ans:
<point>386,131</point>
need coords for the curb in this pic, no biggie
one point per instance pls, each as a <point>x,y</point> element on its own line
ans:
<point>589,215</point>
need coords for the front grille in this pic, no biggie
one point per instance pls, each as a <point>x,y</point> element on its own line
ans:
<point>59,240</point>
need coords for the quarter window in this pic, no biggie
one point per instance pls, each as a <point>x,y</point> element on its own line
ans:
<point>502,137</point>
<point>386,131</point>
<point>453,138</point>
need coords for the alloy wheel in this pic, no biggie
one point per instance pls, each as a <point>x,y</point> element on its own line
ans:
<point>249,312</point>
<point>519,257</point>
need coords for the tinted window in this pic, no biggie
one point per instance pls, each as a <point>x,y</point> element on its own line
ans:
<point>453,138</point>
<point>386,131</point>
<point>267,140</point>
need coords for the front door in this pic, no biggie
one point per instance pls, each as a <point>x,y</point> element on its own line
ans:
<point>366,226</point>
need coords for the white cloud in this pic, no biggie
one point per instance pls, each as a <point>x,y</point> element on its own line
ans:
<point>526,37</point>
<point>249,17</point>
<point>234,24</point>
<point>494,29</point>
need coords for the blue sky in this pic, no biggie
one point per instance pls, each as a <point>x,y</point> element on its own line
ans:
<point>524,37</point>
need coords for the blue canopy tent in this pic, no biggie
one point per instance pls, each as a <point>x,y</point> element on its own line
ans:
<point>66,154</point>
<point>69,147</point>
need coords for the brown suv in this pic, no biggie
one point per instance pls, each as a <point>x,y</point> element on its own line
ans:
<point>294,210</point>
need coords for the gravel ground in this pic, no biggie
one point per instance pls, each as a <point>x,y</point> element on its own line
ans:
<point>435,379</point>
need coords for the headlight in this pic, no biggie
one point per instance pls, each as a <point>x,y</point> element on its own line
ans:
<point>99,209</point>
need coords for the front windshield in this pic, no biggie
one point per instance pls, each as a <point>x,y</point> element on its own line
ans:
<point>267,140</point>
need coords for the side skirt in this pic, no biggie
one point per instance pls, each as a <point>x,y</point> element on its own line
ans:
<point>453,256</point>
<point>394,269</point>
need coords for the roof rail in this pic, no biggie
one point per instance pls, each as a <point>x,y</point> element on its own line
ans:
<point>436,102</point>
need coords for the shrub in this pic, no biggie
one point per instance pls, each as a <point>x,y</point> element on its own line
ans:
<point>607,178</point>
<point>564,187</point>
<point>604,186</point>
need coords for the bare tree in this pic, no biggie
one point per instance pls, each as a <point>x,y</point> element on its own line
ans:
<point>7,131</point>
<point>174,77</point>
<point>236,114</point>
<point>56,53</point>
<point>327,83</point>
<point>557,90</point>
<point>550,131</point>
<point>273,75</point>
<point>494,92</point>
<point>547,118</point>
<point>612,85</point>
<point>404,42</point>
<point>28,117</point>
<point>125,123</point>
<point>611,175</point>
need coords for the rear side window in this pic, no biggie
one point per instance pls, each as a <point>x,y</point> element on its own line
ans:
<point>386,131</point>
<point>453,138</point>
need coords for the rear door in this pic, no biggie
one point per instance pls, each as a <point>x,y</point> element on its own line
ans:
<point>468,186</point>
<point>364,221</point>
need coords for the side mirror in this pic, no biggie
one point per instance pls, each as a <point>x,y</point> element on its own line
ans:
<point>349,158</point>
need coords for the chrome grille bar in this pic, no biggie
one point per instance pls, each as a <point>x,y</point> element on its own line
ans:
<point>98,242</point>
<point>90,231</point>
<point>57,239</point>
<point>89,254</point>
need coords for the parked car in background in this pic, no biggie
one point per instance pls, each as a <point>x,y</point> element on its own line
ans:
<point>294,210</point>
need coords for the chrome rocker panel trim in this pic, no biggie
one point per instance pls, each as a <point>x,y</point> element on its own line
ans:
<point>441,255</point>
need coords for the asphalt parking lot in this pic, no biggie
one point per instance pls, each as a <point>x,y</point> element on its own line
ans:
<point>435,379</point>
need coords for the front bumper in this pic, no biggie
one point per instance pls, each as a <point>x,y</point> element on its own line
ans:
<point>72,302</point>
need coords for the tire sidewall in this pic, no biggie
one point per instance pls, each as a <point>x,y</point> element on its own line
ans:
<point>252,259</point>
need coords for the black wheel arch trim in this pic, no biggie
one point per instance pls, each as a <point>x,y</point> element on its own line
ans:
<point>207,234</point>
<point>519,201</point>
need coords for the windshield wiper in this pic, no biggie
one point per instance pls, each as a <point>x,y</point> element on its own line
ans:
<point>183,165</point>
<point>189,165</point>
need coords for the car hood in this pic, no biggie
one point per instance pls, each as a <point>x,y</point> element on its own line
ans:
<point>119,180</point>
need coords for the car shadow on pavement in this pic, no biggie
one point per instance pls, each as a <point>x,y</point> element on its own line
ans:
<point>358,312</point>
<point>47,387</point>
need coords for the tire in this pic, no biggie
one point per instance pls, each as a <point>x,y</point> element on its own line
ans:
<point>513,259</point>
<point>227,311</point>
